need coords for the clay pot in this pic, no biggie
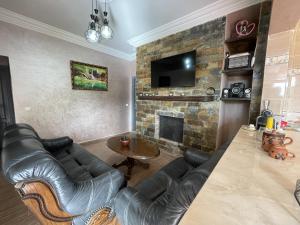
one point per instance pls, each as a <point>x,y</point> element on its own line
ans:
<point>280,152</point>
<point>274,138</point>
<point>125,141</point>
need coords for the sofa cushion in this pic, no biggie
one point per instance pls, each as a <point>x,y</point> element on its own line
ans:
<point>79,164</point>
<point>177,168</point>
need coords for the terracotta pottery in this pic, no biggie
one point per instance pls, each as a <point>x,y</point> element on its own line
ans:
<point>274,138</point>
<point>125,141</point>
<point>280,152</point>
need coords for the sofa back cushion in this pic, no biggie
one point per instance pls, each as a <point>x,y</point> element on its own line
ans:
<point>14,135</point>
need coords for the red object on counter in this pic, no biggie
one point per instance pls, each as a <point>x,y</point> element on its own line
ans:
<point>283,124</point>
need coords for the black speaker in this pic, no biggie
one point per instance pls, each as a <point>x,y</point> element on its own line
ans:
<point>237,90</point>
<point>225,93</point>
<point>247,93</point>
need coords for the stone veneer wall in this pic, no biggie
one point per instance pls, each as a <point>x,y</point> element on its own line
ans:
<point>200,119</point>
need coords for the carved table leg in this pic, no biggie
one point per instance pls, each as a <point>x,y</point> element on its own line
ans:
<point>130,163</point>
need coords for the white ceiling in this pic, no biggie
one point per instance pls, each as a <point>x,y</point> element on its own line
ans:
<point>129,18</point>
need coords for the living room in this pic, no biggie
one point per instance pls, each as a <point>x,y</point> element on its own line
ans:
<point>150,112</point>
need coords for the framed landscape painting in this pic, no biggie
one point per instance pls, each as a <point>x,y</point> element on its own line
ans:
<point>89,77</point>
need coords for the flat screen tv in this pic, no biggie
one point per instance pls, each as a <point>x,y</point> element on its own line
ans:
<point>174,71</point>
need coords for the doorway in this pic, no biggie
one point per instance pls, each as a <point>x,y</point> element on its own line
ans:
<point>7,113</point>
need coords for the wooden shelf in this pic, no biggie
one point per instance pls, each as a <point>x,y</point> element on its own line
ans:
<point>238,72</point>
<point>245,39</point>
<point>206,98</point>
<point>236,99</point>
<point>235,46</point>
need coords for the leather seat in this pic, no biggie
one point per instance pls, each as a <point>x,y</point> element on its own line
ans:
<point>164,198</point>
<point>82,183</point>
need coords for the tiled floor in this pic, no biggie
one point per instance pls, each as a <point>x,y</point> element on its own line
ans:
<point>13,211</point>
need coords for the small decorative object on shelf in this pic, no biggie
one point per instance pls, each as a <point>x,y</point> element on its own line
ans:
<point>248,92</point>
<point>225,93</point>
<point>210,91</point>
<point>182,94</point>
<point>238,61</point>
<point>243,28</point>
<point>125,141</point>
<point>171,94</point>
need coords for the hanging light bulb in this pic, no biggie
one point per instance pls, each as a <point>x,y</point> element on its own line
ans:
<point>92,35</point>
<point>105,30</point>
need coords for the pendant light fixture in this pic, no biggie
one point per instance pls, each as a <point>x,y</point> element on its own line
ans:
<point>106,31</point>
<point>95,30</point>
<point>93,35</point>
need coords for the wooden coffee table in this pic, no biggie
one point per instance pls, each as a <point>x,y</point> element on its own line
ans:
<point>138,149</point>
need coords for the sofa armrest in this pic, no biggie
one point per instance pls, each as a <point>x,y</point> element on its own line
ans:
<point>196,157</point>
<point>131,207</point>
<point>96,193</point>
<point>56,143</point>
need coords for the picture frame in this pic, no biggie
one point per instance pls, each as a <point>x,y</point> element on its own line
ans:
<point>86,76</point>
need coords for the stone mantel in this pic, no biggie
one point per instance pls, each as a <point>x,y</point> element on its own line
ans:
<point>249,187</point>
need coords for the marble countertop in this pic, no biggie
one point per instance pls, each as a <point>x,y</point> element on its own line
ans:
<point>249,187</point>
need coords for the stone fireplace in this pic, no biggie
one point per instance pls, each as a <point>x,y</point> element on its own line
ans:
<point>169,126</point>
<point>199,120</point>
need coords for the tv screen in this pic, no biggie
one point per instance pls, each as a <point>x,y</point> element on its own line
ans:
<point>174,71</point>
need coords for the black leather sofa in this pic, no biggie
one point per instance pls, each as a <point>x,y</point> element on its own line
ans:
<point>81,183</point>
<point>164,198</point>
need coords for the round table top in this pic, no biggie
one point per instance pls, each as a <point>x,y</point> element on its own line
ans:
<point>139,147</point>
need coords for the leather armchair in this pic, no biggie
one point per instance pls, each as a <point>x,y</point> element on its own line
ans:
<point>56,178</point>
<point>164,198</point>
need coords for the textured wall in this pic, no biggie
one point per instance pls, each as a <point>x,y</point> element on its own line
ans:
<point>43,95</point>
<point>200,119</point>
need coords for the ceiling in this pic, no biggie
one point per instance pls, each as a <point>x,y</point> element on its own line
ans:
<point>128,18</point>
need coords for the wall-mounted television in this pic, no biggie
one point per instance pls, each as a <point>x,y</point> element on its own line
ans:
<point>174,71</point>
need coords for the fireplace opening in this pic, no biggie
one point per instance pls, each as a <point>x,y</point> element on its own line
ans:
<point>171,128</point>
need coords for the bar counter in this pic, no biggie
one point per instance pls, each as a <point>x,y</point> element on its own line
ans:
<point>249,187</point>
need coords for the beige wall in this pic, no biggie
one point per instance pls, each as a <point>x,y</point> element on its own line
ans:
<point>285,15</point>
<point>42,91</point>
<point>282,70</point>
